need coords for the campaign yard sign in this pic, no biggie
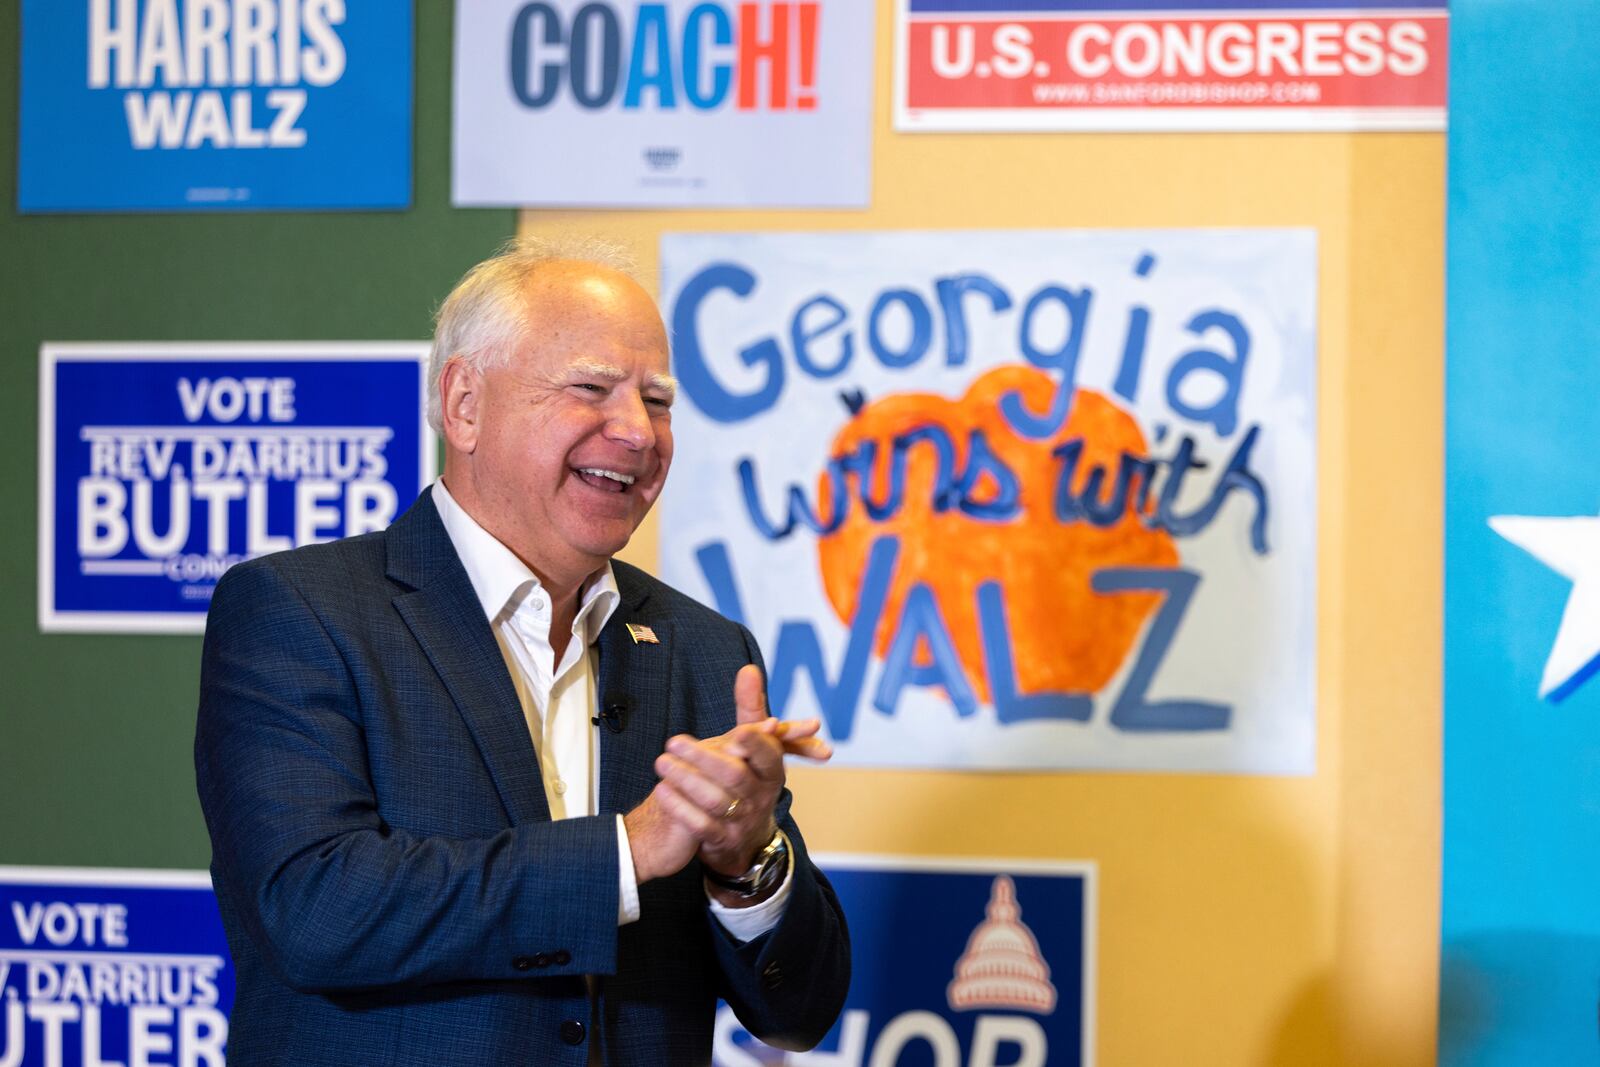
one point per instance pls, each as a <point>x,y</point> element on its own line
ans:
<point>102,967</point>
<point>1171,65</point>
<point>181,105</point>
<point>671,104</point>
<point>162,465</point>
<point>955,963</point>
<point>1008,500</point>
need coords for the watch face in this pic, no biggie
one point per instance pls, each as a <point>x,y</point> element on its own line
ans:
<point>770,865</point>
<point>774,862</point>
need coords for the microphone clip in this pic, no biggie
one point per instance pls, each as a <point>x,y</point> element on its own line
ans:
<point>611,713</point>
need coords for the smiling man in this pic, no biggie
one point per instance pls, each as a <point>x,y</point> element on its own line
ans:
<point>479,794</point>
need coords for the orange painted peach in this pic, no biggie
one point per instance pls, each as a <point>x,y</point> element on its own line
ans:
<point>1065,637</point>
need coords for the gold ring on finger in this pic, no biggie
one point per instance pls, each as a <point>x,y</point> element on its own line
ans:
<point>733,806</point>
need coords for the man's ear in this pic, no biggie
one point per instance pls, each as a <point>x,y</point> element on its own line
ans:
<point>461,403</point>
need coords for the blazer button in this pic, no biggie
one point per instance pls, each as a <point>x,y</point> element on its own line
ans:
<point>521,963</point>
<point>572,1032</point>
<point>561,957</point>
<point>772,976</point>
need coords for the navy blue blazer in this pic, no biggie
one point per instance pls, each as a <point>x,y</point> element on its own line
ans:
<point>393,887</point>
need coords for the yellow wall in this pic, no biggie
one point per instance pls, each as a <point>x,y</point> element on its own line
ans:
<point>1242,920</point>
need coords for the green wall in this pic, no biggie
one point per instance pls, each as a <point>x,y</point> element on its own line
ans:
<point>95,731</point>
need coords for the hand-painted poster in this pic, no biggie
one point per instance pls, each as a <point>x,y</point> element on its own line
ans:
<point>1171,65</point>
<point>680,103</point>
<point>1029,499</point>
<point>100,968</point>
<point>957,962</point>
<point>162,465</point>
<point>204,105</point>
<point>1008,500</point>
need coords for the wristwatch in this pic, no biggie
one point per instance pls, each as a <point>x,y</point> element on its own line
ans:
<point>771,864</point>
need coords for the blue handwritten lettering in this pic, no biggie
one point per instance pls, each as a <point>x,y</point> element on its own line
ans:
<point>1063,359</point>
<point>1009,705</point>
<point>922,622</point>
<point>1223,413</point>
<point>695,376</point>
<point>1127,383</point>
<point>1132,712</point>
<point>950,291</point>
<point>798,650</point>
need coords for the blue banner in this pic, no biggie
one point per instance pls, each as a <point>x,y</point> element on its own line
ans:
<point>101,967</point>
<point>955,963</point>
<point>162,466</point>
<point>1520,951</point>
<point>157,105</point>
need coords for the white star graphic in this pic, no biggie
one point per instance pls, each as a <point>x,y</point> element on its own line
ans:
<point>1571,548</point>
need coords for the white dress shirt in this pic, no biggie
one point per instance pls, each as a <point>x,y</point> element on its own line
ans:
<point>558,699</point>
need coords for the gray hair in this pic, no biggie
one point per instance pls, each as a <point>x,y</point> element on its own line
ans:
<point>485,316</point>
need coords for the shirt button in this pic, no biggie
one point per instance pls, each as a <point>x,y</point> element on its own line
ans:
<point>537,601</point>
<point>560,788</point>
<point>572,1032</point>
<point>521,963</point>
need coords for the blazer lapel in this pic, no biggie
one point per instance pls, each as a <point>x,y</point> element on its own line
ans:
<point>445,617</point>
<point>636,677</point>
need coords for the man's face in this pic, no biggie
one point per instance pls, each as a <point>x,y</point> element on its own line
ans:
<point>574,431</point>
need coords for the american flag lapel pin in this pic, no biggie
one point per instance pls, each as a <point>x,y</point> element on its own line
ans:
<point>642,635</point>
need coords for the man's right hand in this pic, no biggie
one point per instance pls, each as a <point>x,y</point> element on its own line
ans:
<point>658,834</point>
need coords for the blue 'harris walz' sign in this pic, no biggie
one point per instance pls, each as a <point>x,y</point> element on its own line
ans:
<point>161,105</point>
<point>111,967</point>
<point>160,466</point>
<point>955,964</point>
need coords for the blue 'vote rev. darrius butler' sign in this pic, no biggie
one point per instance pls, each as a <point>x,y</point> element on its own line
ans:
<point>160,466</point>
<point>164,105</point>
<point>102,967</point>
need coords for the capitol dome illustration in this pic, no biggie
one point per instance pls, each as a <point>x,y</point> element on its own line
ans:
<point>1002,966</point>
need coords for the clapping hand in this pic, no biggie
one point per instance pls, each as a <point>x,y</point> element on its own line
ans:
<point>716,795</point>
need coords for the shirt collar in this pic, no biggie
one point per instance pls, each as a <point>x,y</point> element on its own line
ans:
<point>503,582</point>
